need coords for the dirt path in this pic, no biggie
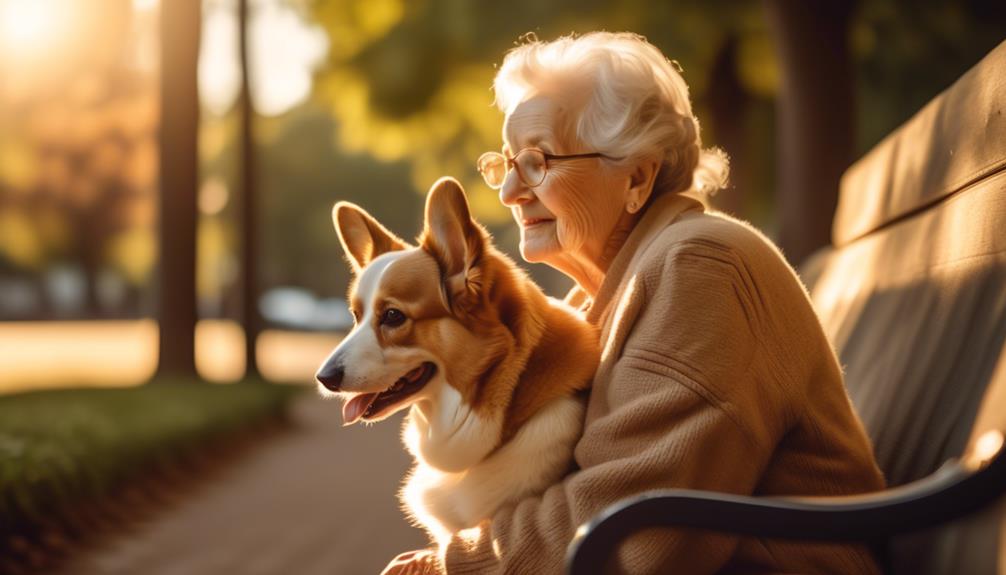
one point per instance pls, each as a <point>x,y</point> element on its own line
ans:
<point>319,499</point>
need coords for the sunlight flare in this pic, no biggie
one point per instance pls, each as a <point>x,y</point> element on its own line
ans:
<point>26,24</point>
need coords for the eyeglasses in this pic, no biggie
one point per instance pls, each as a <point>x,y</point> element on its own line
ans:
<point>531,165</point>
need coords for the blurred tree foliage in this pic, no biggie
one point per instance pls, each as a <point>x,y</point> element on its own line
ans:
<point>320,179</point>
<point>78,158</point>
<point>907,52</point>
<point>405,97</point>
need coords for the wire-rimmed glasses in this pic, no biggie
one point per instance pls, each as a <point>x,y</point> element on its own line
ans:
<point>531,165</point>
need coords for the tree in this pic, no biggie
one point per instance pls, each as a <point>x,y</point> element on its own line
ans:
<point>250,317</point>
<point>179,173</point>
<point>815,116</point>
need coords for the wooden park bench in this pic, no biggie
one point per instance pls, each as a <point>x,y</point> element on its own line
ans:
<point>912,292</point>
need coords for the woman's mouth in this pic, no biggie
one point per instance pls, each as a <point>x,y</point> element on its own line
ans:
<point>531,222</point>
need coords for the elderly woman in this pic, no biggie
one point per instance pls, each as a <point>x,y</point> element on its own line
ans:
<point>715,371</point>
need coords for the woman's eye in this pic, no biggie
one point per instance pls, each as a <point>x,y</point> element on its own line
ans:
<point>392,317</point>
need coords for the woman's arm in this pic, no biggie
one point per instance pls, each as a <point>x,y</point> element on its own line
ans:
<point>667,425</point>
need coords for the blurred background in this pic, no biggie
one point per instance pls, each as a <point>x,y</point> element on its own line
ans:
<point>361,100</point>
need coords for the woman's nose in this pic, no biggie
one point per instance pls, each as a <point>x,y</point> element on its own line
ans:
<point>513,192</point>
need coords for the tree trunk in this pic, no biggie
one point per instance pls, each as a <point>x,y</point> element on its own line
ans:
<point>814,116</point>
<point>179,180</point>
<point>249,245</point>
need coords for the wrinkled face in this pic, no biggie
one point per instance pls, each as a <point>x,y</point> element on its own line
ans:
<point>575,209</point>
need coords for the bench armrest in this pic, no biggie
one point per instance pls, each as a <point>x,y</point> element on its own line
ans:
<point>958,488</point>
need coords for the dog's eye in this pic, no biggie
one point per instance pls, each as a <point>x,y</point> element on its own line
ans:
<point>392,317</point>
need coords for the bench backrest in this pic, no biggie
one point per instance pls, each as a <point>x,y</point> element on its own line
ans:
<point>913,295</point>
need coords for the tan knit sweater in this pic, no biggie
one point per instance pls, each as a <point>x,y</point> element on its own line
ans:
<point>715,374</point>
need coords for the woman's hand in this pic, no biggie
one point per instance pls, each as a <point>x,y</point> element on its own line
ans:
<point>419,562</point>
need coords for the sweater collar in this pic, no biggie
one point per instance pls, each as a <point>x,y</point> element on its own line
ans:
<point>664,210</point>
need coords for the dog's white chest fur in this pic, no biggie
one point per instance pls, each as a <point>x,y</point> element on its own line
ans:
<point>447,501</point>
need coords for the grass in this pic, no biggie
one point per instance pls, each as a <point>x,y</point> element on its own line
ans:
<point>60,449</point>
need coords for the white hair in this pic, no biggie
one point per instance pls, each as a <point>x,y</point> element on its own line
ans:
<point>635,103</point>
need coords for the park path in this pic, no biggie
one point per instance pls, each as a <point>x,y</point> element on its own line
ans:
<point>316,499</point>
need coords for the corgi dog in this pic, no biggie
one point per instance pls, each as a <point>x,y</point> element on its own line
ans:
<point>490,369</point>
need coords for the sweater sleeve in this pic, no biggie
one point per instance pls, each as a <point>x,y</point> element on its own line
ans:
<point>680,409</point>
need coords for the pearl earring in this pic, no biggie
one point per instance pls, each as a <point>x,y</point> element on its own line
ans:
<point>632,207</point>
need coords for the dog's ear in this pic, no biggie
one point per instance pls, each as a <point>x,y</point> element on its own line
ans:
<point>454,239</point>
<point>362,237</point>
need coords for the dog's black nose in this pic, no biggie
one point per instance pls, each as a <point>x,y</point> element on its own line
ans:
<point>330,375</point>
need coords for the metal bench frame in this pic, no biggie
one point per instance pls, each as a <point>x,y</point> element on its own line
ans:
<point>957,489</point>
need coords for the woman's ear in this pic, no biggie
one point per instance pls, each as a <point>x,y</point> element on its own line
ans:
<point>641,180</point>
<point>453,238</point>
<point>363,238</point>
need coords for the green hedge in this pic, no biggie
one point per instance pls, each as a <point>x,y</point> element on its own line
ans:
<point>62,448</point>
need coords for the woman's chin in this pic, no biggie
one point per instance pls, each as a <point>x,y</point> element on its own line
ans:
<point>537,250</point>
<point>538,243</point>
<point>531,256</point>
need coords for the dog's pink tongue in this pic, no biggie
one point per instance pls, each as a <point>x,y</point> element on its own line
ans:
<point>353,409</point>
